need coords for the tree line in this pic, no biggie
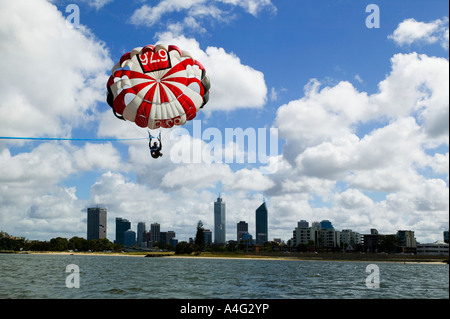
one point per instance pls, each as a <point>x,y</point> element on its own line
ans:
<point>59,244</point>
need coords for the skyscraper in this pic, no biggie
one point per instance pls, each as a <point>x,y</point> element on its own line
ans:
<point>242,227</point>
<point>219,221</point>
<point>140,240</point>
<point>96,223</point>
<point>261,224</point>
<point>122,225</point>
<point>155,235</point>
<point>129,238</point>
<point>208,237</point>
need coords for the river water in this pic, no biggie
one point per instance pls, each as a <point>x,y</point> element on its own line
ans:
<point>39,276</point>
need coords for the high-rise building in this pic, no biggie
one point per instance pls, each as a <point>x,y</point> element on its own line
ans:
<point>406,239</point>
<point>242,227</point>
<point>140,240</point>
<point>155,235</point>
<point>96,223</point>
<point>122,225</point>
<point>261,217</point>
<point>219,221</point>
<point>170,236</point>
<point>350,237</point>
<point>207,233</point>
<point>129,238</point>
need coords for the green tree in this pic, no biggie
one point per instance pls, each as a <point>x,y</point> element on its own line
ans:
<point>183,248</point>
<point>7,243</point>
<point>78,244</point>
<point>388,243</point>
<point>59,244</point>
<point>231,246</point>
<point>105,244</point>
<point>199,243</point>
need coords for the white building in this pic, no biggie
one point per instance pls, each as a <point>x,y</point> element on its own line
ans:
<point>436,248</point>
<point>323,237</point>
<point>350,237</point>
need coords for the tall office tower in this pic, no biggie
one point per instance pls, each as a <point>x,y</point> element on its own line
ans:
<point>219,221</point>
<point>261,224</point>
<point>96,223</point>
<point>129,238</point>
<point>208,237</point>
<point>122,225</point>
<point>155,233</point>
<point>140,241</point>
<point>170,236</point>
<point>242,227</point>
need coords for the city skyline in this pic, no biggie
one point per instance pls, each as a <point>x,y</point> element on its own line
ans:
<point>98,216</point>
<point>360,113</point>
<point>262,228</point>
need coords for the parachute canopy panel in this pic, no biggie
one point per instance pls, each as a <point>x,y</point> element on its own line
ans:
<point>157,86</point>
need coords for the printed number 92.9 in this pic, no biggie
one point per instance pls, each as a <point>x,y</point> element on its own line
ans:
<point>161,56</point>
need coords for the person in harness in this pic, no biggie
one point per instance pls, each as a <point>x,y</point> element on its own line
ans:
<point>155,148</point>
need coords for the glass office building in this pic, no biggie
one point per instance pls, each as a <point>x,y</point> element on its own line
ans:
<point>96,223</point>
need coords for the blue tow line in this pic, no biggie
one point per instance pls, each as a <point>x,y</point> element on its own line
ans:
<point>69,139</point>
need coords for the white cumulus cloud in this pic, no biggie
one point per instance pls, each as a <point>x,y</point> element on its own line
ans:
<point>412,31</point>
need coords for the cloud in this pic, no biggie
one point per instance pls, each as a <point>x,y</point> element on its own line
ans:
<point>253,6</point>
<point>34,201</point>
<point>49,164</point>
<point>227,74</point>
<point>195,13</point>
<point>411,31</point>
<point>147,15</point>
<point>321,115</point>
<point>55,74</point>
<point>416,87</point>
<point>324,148</point>
<point>97,4</point>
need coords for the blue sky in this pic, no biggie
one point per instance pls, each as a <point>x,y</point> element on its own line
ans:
<point>361,114</point>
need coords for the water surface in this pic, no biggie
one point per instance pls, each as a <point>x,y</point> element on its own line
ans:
<point>110,277</point>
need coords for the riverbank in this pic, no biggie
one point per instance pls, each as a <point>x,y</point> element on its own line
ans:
<point>355,257</point>
<point>336,256</point>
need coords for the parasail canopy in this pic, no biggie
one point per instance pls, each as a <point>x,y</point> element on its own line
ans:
<point>157,86</point>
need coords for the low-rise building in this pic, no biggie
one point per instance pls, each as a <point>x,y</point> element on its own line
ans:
<point>436,248</point>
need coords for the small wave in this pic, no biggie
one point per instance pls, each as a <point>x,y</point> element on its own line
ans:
<point>115,291</point>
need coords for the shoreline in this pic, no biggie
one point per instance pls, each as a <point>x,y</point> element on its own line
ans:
<point>344,257</point>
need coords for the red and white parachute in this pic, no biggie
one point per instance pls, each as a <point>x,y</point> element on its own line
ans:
<point>157,86</point>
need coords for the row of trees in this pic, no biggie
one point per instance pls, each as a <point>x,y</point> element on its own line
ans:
<point>58,244</point>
